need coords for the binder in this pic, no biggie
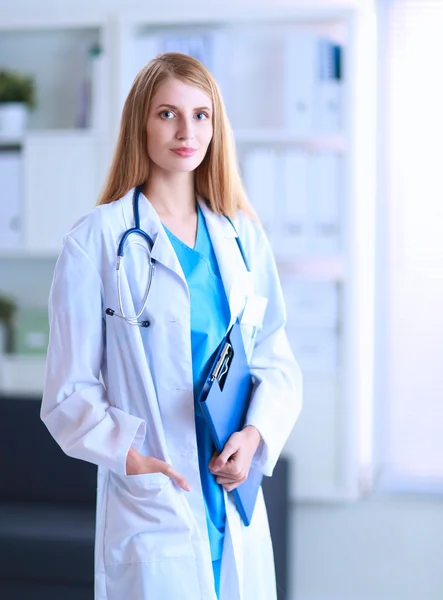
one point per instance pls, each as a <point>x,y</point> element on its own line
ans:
<point>301,68</point>
<point>326,188</point>
<point>195,44</point>
<point>224,401</point>
<point>328,105</point>
<point>294,213</point>
<point>145,47</point>
<point>311,304</point>
<point>259,175</point>
<point>198,44</point>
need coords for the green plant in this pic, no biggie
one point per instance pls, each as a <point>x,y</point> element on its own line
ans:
<point>15,87</point>
<point>7,312</point>
<point>7,309</point>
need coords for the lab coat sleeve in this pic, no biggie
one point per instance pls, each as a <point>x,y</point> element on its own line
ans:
<point>75,407</point>
<point>277,397</point>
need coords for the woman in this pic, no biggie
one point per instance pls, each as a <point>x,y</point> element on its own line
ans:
<point>121,392</point>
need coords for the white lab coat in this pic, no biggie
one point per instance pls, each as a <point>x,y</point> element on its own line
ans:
<point>110,385</point>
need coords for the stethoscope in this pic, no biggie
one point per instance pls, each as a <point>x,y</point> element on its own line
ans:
<point>120,256</point>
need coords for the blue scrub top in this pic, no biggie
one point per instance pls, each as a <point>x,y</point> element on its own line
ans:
<point>210,318</point>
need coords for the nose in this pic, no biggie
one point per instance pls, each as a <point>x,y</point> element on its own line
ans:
<point>185,131</point>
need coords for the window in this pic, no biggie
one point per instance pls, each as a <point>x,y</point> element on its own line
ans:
<point>409,346</point>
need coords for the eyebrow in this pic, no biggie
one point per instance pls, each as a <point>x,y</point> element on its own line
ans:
<point>176,108</point>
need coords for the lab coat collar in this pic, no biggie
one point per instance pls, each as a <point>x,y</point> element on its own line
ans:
<point>162,251</point>
<point>223,237</point>
<point>218,223</point>
<point>237,280</point>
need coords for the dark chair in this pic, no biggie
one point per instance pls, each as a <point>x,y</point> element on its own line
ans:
<point>276,493</point>
<point>47,512</point>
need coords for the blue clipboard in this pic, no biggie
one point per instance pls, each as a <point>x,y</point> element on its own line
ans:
<point>224,401</point>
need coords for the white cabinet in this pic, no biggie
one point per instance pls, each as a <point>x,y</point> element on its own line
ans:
<point>11,196</point>
<point>62,182</point>
<point>317,445</point>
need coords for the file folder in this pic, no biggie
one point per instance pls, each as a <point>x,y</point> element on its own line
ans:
<point>326,188</point>
<point>294,212</point>
<point>328,105</point>
<point>224,401</point>
<point>301,65</point>
<point>260,177</point>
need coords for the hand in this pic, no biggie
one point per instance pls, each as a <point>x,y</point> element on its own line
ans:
<point>137,464</point>
<point>233,464</point>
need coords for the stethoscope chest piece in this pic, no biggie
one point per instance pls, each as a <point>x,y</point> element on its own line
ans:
<point>112,313</point>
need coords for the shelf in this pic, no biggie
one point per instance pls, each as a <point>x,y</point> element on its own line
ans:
<point>329,268</point>
<point>316,268</point>
<point>21,254</point>
<point>79,133</point>
<point>310,143</point>
<point>8,141</point>
<point>17,141</point>
<point>22,374</point>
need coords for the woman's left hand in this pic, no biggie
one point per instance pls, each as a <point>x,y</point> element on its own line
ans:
<point>232,465</point>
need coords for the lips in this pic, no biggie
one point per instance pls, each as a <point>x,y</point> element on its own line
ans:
<point>184,152</point>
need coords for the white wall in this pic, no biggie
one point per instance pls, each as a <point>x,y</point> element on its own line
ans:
<point>377,549</point>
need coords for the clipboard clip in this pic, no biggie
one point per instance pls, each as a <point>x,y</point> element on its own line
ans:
<point>222,365</point>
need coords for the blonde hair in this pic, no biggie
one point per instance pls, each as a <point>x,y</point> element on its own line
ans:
<point>217,178</point>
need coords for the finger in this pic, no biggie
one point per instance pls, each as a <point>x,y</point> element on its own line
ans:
<point>213,458</point>
<point>220,479</point>
<point>231,486</point>
<point>223,480</point>
<point>230,469</point>
<point>231,447</point>
<point>160,466</point>
<point>179,479</point>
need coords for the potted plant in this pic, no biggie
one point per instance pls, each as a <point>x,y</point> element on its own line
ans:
<point>17,97</point>
<point>7,312</point>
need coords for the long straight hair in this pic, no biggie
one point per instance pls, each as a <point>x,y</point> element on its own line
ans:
<point>217,178</point>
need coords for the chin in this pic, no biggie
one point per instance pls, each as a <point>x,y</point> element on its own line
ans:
<point>183,165</point>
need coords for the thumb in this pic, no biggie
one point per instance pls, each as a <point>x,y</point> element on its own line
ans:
<point>168,470</point>
<point>179,479</point>
<point>219,462</point>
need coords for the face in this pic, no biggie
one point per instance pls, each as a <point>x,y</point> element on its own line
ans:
<point>179,127</point>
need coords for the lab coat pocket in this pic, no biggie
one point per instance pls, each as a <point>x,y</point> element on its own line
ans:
<point>148,481</point>
<point>251,321</point>
<point>145,520</point>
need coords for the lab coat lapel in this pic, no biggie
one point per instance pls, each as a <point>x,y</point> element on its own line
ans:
<point>162,251</point>
<point>230,262</point>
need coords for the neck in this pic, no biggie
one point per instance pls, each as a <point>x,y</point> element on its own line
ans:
<point>171,194</point>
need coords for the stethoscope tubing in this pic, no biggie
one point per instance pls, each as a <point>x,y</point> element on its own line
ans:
<point>120,257</point>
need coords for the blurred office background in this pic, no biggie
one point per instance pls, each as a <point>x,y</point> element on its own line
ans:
<point>336,108</point>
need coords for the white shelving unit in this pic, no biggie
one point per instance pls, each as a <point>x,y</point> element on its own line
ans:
<point>63,152</point>
<point>64,169</point>
<point>313,143</point>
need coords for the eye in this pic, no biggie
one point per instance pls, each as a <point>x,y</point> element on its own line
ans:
<point>201,116</point>
<point>166,114</point>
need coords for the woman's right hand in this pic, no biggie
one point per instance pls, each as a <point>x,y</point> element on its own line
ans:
<point>137,464</point>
